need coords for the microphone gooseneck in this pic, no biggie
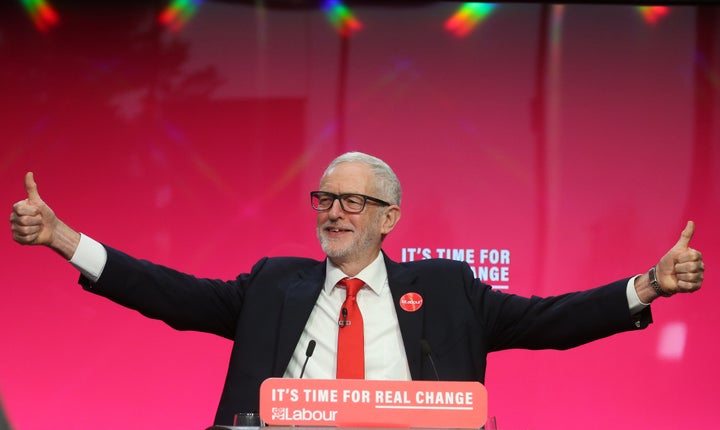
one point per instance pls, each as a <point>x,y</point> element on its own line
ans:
<point>427,352</point>
<point>308,353</point>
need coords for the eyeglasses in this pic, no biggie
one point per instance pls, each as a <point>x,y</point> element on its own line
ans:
<point>350,203</point>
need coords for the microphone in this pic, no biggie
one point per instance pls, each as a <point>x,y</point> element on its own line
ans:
<point>308,353</point>
<point>425,346</point>
<point>342,323</point>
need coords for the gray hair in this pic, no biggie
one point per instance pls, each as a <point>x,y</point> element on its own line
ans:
<point>387,182</point>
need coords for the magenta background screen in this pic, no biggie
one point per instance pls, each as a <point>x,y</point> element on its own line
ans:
<point>575,140</point>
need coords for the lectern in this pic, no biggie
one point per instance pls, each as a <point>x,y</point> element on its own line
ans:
<point>361,403</point>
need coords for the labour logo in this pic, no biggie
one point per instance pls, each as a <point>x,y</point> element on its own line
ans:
<point>411,302</point>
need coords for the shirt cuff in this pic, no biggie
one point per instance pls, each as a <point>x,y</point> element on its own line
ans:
<point>89,258</point>
<point>634,302</point>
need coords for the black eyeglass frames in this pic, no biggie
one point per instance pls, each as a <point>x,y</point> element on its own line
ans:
<point>349,202</point>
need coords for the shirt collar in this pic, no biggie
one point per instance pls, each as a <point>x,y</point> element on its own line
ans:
<point>374,275</point>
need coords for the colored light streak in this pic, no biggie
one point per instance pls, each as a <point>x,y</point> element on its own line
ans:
<point>467,17</point>
<point>553,102</point>
<point>556,32</point>
<point>341,17</point>
<point>177,14</point>
<point>652,14</point>
<point>42,14</point>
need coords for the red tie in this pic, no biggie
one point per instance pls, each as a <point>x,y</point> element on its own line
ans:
<point>351,348</point>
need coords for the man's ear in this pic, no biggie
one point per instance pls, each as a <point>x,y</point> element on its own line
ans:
<point>390,219</point>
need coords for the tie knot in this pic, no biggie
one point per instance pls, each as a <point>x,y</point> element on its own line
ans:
<point>352,285</point>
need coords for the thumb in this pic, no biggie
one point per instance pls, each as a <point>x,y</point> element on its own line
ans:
<point>31,188</point>
<point>684,242</point>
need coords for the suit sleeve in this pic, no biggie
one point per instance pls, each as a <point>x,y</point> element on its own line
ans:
<point>182,301</point>
<point>556,322</point>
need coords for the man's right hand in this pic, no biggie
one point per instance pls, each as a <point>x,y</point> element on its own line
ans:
<point>34,223</point>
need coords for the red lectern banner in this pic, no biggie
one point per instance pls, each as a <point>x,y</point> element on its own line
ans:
<point>372,403</point>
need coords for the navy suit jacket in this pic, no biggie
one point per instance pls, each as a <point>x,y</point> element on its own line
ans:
<point>265,311</point>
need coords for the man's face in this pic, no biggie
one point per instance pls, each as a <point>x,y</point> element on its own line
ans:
<point>350,238</point>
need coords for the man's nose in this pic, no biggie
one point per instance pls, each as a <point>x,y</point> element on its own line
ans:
<point>336,211</point>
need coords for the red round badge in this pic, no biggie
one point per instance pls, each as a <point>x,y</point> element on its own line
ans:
<point>411,302</point>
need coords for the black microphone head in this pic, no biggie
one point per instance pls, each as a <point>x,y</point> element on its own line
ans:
<point>425,347</point>
<point>310,349</point>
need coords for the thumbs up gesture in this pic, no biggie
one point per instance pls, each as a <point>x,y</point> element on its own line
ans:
<point>681,270</point>
<point>34,223</point>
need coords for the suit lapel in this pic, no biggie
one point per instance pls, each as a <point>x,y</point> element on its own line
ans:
<point>403,281</point>
<point>300,299</point>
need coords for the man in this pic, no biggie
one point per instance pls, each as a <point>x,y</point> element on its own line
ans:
<point>273,312</point>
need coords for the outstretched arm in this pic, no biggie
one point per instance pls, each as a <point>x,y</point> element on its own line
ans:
<point>680,270</point>
<point>33,222</point>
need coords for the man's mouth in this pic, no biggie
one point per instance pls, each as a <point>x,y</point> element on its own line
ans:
<point>337,230</point>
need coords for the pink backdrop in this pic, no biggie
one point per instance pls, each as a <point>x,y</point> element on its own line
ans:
<point>574,141</point>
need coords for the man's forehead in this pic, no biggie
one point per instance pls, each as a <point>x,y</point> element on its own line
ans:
<point>348,178</point>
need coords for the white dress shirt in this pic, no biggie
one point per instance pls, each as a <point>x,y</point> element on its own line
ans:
<point>384,351</point>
